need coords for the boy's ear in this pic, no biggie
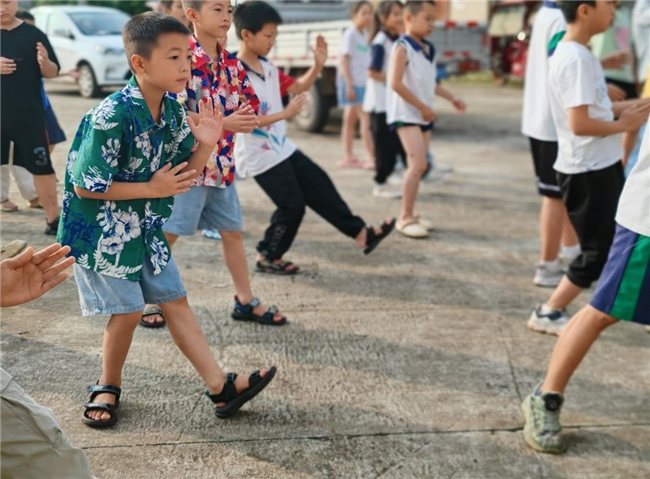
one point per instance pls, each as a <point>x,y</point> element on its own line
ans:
<point>583,11</point>
<point>137,63</point>
<point>190,13</point>
<point>246,34</point>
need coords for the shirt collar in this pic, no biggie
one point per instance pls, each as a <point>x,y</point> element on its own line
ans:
<point>142,119</point>
<point>418,47</point>
<point>199,57</point>
<point>551,4</point>
<point>392,37</point>
<point>250,70</point>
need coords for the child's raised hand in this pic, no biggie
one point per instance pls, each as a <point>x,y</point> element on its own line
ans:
<point>320,51</point>
<point>295,105</point>
<point>42,54</point>
<point>208,130</point>
<point>428,114</point>
<point>169,181</point>
<point>7,66</point>
<point>459,105</point>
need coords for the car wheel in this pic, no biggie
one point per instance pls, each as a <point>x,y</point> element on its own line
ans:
<point>315,114</point>
<point>87,83</point>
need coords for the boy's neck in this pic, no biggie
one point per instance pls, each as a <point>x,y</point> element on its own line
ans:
<point>249,58</point>
<point>418,38</point>
<point>577,33</point>
<point>11,25</point>
<point>209,43</point>
<point>153,97</point>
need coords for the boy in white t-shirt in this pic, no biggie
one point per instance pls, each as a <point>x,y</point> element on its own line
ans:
<point>590,171</point>
<point>289,177</point>
<point>623,294</point>
<point>410,100</point>
<point>538,126</point>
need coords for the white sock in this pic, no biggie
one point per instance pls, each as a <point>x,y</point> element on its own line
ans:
<point>571,251</point>
<point>546,310</point>
<point>555,264</point>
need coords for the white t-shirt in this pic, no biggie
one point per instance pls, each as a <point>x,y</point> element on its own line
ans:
<point>576,79</point>
<point>419,77</point>
<point>266,147</point>
<point>374,100</point>
<point>537,121</point>
<point>354,44</point>
<point>634,205</point>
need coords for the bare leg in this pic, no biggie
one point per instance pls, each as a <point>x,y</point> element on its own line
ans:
<point>564,294</point>
<point>46,188</point>
<point>629,142</point>
<point>552,220</point>
<point>366,137</point>
<point>572,346</point>
<point>347,134</point>
<point>235,257</point>
<point>157,318</point>
<point>415,144</point>
<point>569,236</point>
<point>117,341</point>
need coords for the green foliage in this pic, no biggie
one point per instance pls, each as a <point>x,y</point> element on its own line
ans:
<point>131,7</point>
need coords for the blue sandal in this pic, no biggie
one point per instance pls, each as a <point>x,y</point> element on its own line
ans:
<point>244,312</point>
<point>103,406</point>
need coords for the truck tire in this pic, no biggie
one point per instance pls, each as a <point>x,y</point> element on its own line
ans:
<point>316,113</point>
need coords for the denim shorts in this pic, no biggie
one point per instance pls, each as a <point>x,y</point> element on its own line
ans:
<point>205,208</point>
<point>342,98</point>
<point>100,294</point>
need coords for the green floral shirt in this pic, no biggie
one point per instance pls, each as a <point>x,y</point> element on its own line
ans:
<point>119,140</point>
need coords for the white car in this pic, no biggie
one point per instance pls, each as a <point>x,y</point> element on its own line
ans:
<point>89,39</point>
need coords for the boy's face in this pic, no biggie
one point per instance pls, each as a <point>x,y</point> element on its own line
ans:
<point>214,17</point>
<point>600,17</point>
<point>169,64</point>
<point>8,9</point>
<point>177,12</point>
<point>422,23</point>
<point>262,42</point>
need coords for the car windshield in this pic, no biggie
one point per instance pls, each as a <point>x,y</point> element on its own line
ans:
<point>100,23</point>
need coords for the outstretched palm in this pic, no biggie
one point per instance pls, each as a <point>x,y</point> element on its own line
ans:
<point>208,129</point>
<point>320,50</point>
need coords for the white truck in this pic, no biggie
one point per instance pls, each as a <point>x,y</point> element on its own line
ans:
<point>461,47</point>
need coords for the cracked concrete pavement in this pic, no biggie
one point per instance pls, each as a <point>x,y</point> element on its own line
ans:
<point>409,363</point>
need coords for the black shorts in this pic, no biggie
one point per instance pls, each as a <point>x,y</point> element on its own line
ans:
<point>544,156</point>
<point>591,201</point>
<point>31,149</point>
<point>400,124</point>
<point>55,134</point>
<point>628,88</point>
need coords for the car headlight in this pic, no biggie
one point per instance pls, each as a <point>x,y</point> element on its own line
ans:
<point>108,50</point>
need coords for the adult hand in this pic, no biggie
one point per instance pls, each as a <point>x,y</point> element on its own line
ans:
<point>29,276</point>
<point>7,66</point>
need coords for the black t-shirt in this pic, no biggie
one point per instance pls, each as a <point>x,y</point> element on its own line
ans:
<point>22,105</point>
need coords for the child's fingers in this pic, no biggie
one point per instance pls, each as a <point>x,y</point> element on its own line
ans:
<point>51,260</point>
<point>177,169</point>
<point>46,253</point>
<point>57,269</point>
<point>182,176</point>
<point>54,282</point>
<point>21,260</point>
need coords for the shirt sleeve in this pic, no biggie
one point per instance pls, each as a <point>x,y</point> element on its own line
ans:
<point>377,55</point>
<point>286,82</point>
<point>98,155</point>
<point>50,51</point>
<point>577,84</point>
<point>246,90</point>
<point>347,43</point>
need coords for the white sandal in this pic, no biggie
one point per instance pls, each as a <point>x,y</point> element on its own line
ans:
<point>428,225</point>
<point>413,229</point>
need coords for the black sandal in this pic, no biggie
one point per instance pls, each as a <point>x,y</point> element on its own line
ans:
<point>373,239</point>
<point>244,312</point>
<point>152,312</point>
<point>102,406</point>
<point>281,269</point>
<point>234,401</point>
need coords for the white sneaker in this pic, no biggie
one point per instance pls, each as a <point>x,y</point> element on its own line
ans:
<point>442,168</point>
<point>548,276</point>
<point>395,179</point>
<point>385,191</point>
<point>551,323</point>
<point>426,223</point>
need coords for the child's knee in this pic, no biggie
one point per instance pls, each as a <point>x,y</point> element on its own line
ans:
<point>599,320</point>
<point>227,236</point>
<point>417,165</point>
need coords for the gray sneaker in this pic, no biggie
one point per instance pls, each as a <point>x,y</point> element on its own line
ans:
<point>548,277</point>
<point>551,323</point>
<point>542,430</point>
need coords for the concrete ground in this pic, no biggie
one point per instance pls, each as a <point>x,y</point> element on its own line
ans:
<point>409,363</point>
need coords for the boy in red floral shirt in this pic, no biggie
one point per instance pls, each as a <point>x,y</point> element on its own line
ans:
<point>212,202</point>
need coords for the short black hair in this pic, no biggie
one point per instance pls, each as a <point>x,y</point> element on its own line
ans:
<point>415,6</point>
<point>253,16</point>
<point>569,8</point>
<point>167,4</point>
<point>141,33</point>
<point>193,4</point>
<point>24,15</point>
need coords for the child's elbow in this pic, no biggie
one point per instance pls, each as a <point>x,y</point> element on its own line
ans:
<point>80,192</point>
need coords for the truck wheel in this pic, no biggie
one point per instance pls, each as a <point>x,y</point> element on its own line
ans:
<point>315,114</point>
<point>87,83</point>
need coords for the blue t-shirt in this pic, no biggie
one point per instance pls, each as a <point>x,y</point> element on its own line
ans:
<point>44,98</point>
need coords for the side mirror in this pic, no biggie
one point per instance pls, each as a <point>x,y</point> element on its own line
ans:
<point>63,33</point>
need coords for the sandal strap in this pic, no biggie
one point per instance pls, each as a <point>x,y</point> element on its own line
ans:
<point>97,406</point>
<point>247,308</point>
<point>254,379</point>
<point>229,391</point>
<point>103,389</point>
<point>265,263</point>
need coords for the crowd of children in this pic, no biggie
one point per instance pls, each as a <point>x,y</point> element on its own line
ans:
<point>156,160</point>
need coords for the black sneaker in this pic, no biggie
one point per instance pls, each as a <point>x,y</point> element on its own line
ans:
<point>51,229</point>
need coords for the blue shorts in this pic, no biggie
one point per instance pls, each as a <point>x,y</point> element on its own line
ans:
<point>342,98</point>
<point>100,294</point>
<point>400,124</point>
<point>55,134</point>
<point>205,208</point>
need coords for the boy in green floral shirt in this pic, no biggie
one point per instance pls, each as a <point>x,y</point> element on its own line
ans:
<point>131,155</point>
